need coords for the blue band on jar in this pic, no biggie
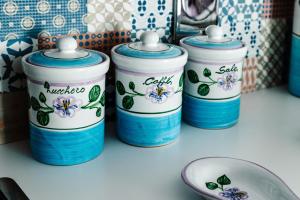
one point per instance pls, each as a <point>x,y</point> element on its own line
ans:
<point>294,78</point>
<point>69,147</point>
<point>148,131</point>
<point>210,114</point>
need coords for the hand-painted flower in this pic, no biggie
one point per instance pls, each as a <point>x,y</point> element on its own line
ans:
<point>234,194</point>
<point>228,81</point>
<point>66,107</point>
<point>159,93</point>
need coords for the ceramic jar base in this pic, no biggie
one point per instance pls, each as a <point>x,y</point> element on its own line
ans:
<point>142,131</point>
<point>294,79</point>
<point>210,114</point>
<point>65,148</point>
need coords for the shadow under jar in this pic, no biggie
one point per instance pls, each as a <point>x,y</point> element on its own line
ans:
<point>149,83</point>
<point>66,87</point>
<point>212,88</point>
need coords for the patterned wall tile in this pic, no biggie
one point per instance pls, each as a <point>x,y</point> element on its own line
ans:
<point>273,60</point>
<point>152,15</point>
<point>109,15</point>
<point>22,18</point>
<point>278,9</point>
<point>11,52</point>
<point>241,19</point>
<point>249,75</point>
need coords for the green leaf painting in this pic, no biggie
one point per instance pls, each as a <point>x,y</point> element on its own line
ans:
<point>43,109</point>
<point>193,76</point>
<point>96,100</point>
<point>94,93</point>
<point>206,72</point>
<point>128,99</point>
<point>203,89</point>
<point>127,102</point>
<point>120,87</point>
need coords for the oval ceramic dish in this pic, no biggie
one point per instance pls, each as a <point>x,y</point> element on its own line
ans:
<point>214,77</point>
<point>149,83</point>
<point>220,178</point>
<point>66,88</point>
<point>294,77</point>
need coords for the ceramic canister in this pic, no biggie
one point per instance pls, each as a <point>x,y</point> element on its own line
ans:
<point>212,88</point>
<point>66,87</point>
<point>294,77</point>
<point>149,83</point>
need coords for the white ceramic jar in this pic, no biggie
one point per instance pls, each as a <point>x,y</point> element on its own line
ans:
<point>214,75</point>
<point>149,83</point>
<point>66,87</point>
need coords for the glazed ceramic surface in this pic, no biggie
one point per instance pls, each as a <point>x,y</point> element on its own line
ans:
<point>294,77</point>
<point>219,178</point>
<point>296,26</point>
<point>213,79</point>
<point>149,84</point>
<point>66,88</point>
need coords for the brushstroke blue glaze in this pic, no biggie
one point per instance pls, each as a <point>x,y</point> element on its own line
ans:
<point>66,147</point>
<point>294,78</point>
<point>39,59</point>
<point>148,131</point>
<point>172,52</point>
<point>210,114</point>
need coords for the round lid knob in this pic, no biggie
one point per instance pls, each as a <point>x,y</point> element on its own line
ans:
<point>67,45</point>
<point>150,39</point>
<point>214,32</point>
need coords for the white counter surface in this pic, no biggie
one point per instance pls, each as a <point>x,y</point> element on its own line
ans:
<point>268,133</point>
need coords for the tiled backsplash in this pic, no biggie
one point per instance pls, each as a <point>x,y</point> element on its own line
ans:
<point>264,25</point>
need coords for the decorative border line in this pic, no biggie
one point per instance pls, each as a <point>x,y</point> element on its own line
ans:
<point>68,129</point>
<point>80,83</point>
<point>147,74</point>
<point>208,63</point>
<point>157,113</point>
<point>212,99</point>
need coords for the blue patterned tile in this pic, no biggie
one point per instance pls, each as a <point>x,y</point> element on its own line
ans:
<point>22,18</point>
<point>152,15</point>
<point>11,52</point>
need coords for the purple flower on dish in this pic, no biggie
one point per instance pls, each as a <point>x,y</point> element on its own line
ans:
<point>234,194</point>
<point>66,106</point>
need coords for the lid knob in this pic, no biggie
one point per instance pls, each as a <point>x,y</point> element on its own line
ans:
<point>150,39</point>
<point>67,45</point>
<point>214,32</point>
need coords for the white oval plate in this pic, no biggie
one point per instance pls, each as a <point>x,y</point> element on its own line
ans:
<point>220,178</point>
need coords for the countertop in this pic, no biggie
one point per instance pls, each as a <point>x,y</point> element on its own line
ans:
<point>268,133</point>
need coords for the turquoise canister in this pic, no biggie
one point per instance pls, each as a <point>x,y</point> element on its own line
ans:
<point>149,83</point>
<point>212,89</point>
<point>66,88</point>
<point>294,76</point>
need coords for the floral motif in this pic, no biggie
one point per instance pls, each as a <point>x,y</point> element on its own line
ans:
<point>228,81</point>
<point>234,194</point>
<point>228,193</point>
<point>66,107</point>
<point>159,93</point>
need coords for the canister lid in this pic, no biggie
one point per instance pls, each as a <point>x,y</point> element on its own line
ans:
<point>149,55</point>
<point>214,46</point>
<point>66,63</point>
<point>67,55</point>
<point>213,40</point>
<point>149,47</point>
